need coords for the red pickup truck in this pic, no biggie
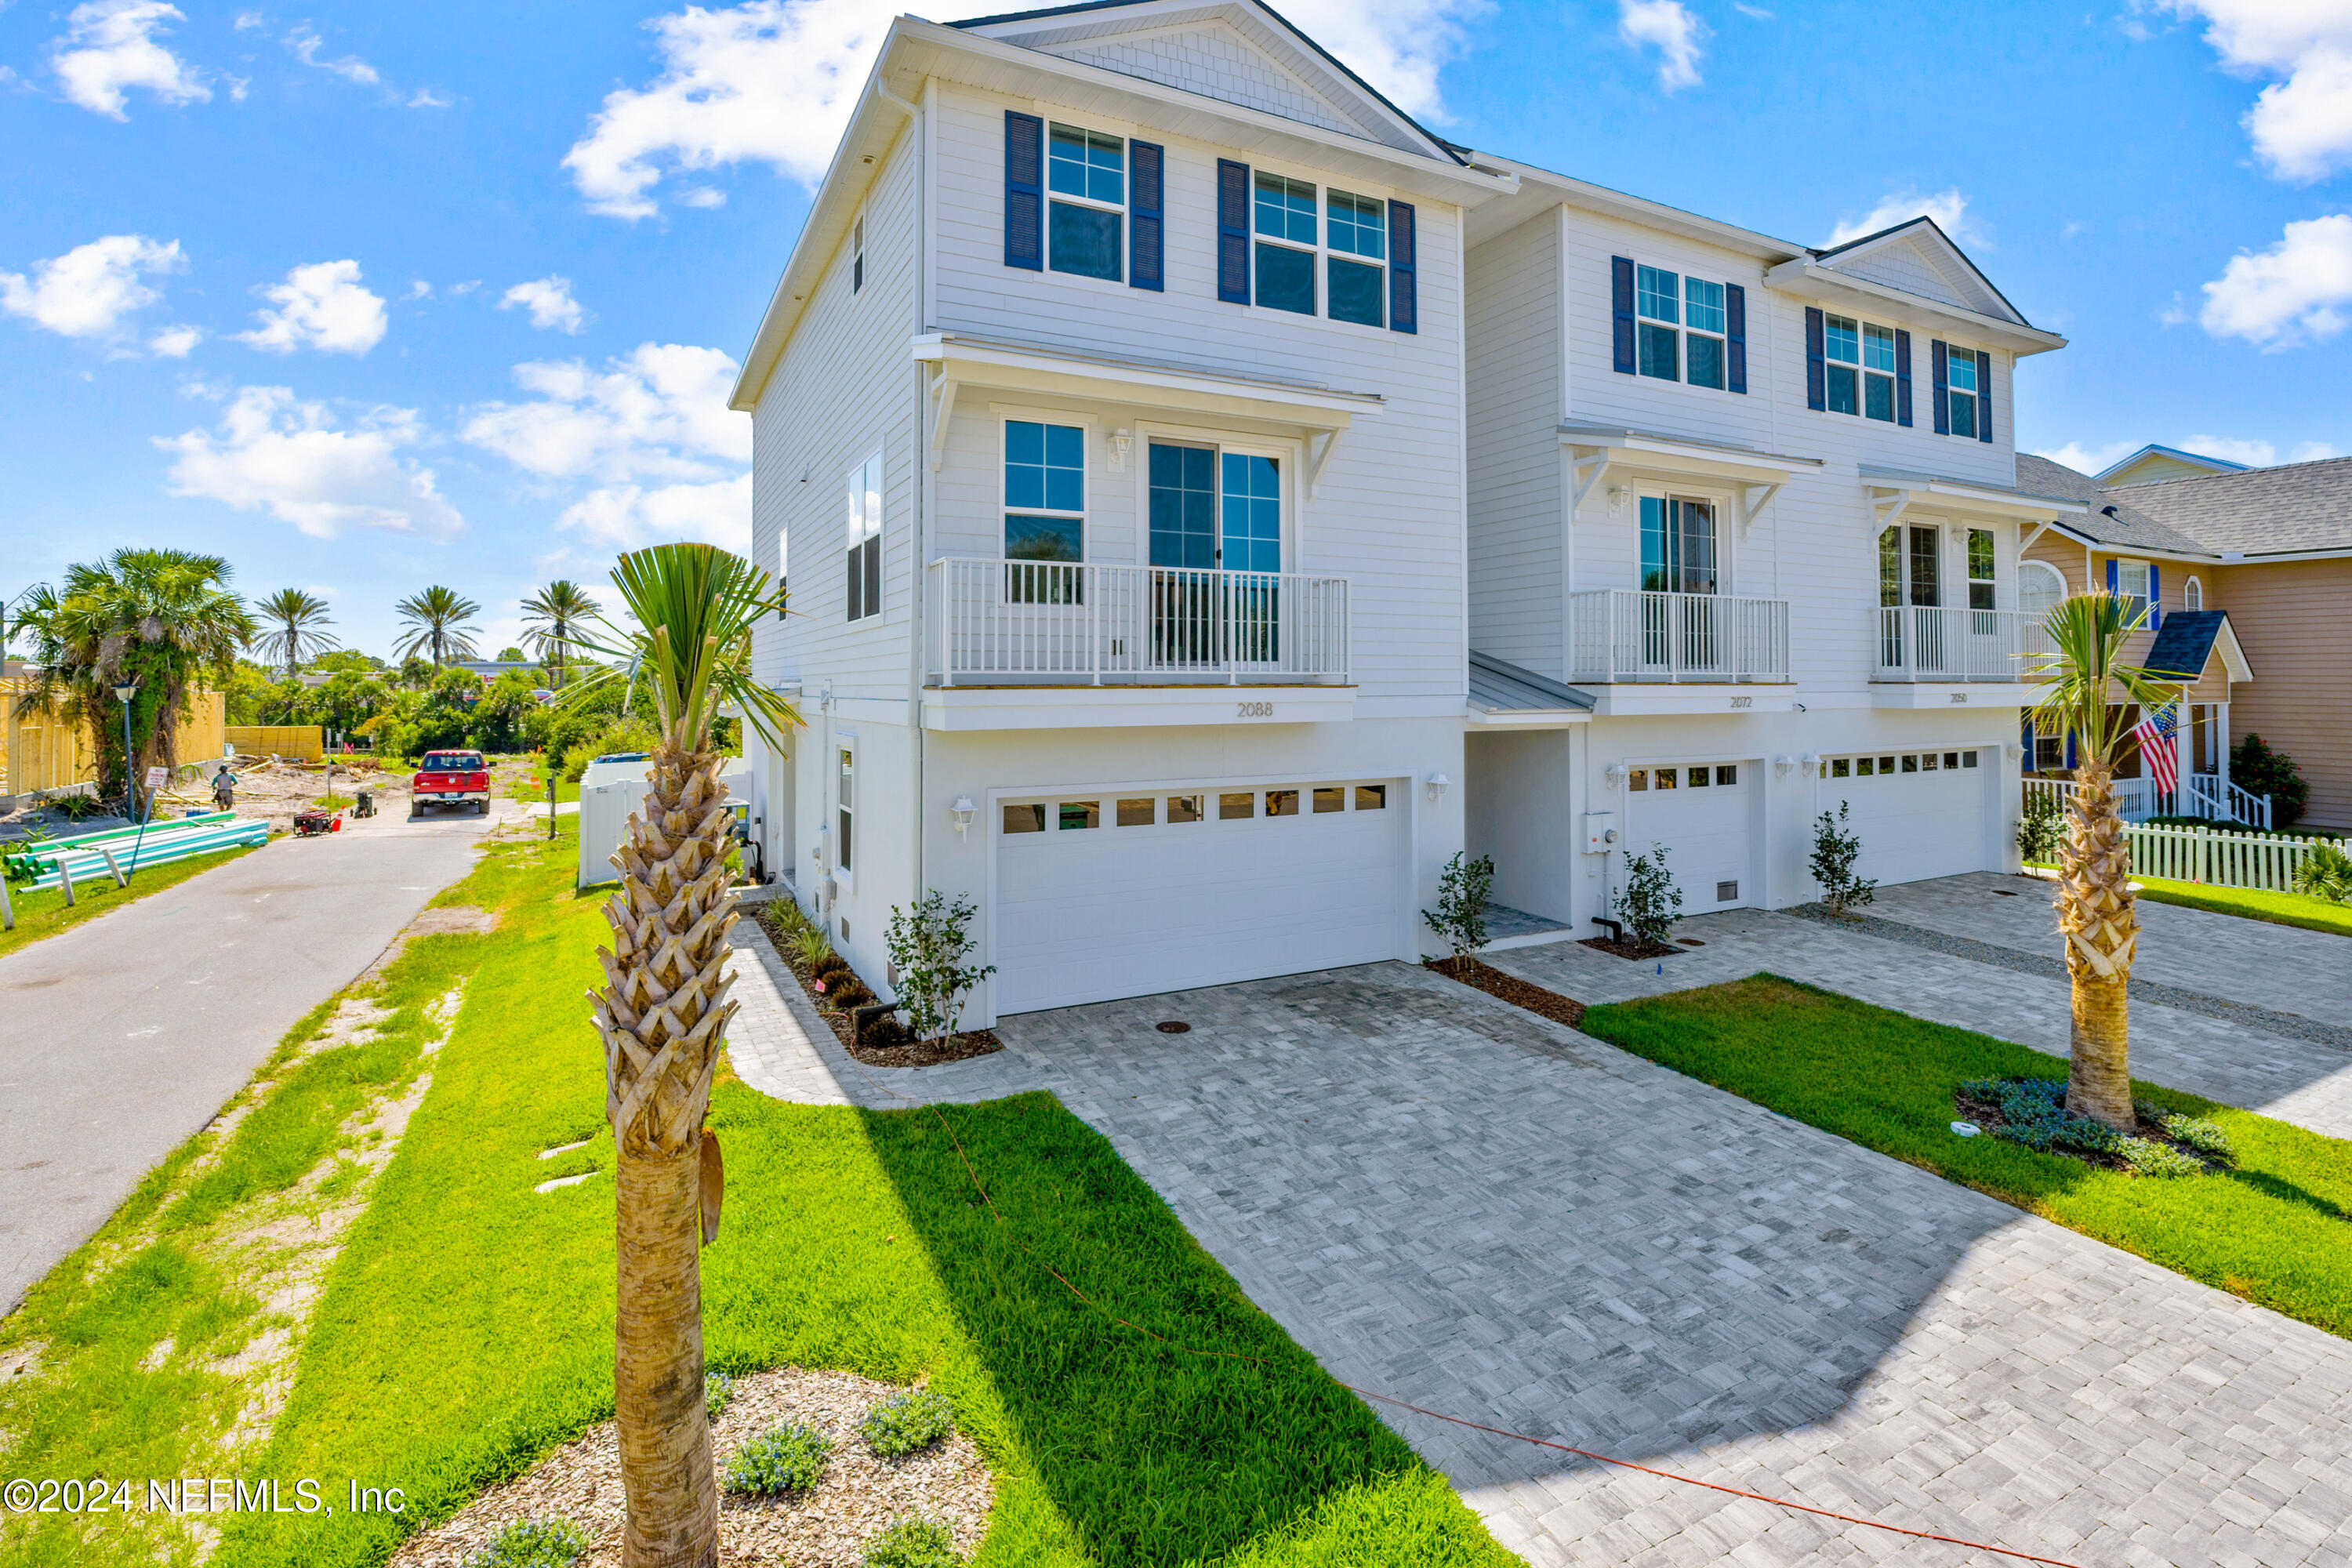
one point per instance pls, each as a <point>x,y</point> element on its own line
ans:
<point>450,778</point>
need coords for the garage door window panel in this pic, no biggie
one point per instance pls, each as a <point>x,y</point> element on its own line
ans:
<point>1144,813</point>
<point>1186,808</point>
<point>1025,818</point>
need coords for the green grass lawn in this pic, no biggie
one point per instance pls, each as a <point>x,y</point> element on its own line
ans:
<point>467,1327</point>
<point>533,785</point>
<point>2280,908</point>
<point>2277,1230</point>
<point>46,913</point>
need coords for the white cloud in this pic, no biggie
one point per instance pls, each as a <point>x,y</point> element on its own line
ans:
<point>650,437</point>
<point>549,299</point>
<point>702,196</point>
<point>2301,124</point>
<point>2296,292</point>
<point>175,343</point>
<point>2254,453</point>
<point>274,454</point>
<point>305,42</point>
<point>2089,459</point>
<point>109,47</point>
<point>773,82</point>
<point>426,98</point>
<point>323,305</point>
<point>1666,26</point>
<point>1754,13</point>
<point>1949,208</point>
<point>88,290</point>
<point>2312,452</point>
<point>247,21</point>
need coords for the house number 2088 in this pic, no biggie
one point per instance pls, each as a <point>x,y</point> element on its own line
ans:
<point>1256,711</point>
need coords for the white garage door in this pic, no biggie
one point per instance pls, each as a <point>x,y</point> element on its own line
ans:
<point>1102,895</point>
<point>1918,814</point>
<point>1703,813</point>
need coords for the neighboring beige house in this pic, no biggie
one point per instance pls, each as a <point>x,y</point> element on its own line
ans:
<point>2271,549</point>
<point>2153,464</point>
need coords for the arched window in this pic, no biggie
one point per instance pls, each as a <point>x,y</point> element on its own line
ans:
<point>2192,595</point>
<point>2039,587</point>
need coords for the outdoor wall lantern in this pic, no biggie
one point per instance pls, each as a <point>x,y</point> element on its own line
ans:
<point>1812,760</point>
<point>1781,766</point>
<point>1120,442</point>
<point>961,813</point>
<point>1615,774</point>
<point>2014,751</point>
<point>1437,784</point>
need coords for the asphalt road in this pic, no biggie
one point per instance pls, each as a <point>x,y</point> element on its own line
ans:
<point>121,1037</point>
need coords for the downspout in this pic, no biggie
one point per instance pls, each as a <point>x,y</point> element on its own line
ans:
<point>920,488</point>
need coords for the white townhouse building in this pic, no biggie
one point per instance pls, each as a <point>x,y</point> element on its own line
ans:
<point>1212,501</point>
<point>1111,416</point>
<point>1745,545</point>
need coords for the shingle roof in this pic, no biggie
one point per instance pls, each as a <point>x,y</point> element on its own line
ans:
<point>2113,518</point>
<point>2184,642</point>
<point>2262,511</point>
<point>1499,687</point>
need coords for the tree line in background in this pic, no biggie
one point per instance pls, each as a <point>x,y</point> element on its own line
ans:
<point>167,622</point>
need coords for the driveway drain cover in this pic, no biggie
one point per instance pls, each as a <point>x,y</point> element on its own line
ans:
<point>1174,1027</point>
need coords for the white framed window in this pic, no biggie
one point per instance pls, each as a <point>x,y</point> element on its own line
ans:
<point>1318,252</point>
<point>1086,216</point>
<point>1961,378</point>
<point>1860,369</point>
<point>2133,582</point>
<point>857,253</point>
<point>1045,490</point>
<point>2040,586</point>
<point>1679,545</point>
<point>1981,586</point>
<point>845,812</point>
<point>2192,595</point>
<point>1658,314</point>
<point>865,572</point>
<point>1681,327</point>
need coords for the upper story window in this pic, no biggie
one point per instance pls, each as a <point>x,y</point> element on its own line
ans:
<point>857,253</point>
<point>1675,328</point>
<point>865,498</point>
<point>1677,545</point>
<point>2135,584</point>
<point>1347,243</point>
<point>2192,595</point>
<point>1356,280</point>
<point>1965,394</point>
<point>1045,491</point>
<point>1284,219</point>
<point>1980,568</point>
<point>1861,367</point>
<point>1085,179</point>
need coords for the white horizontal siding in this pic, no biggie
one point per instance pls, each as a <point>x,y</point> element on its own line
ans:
<point>1515,542</point>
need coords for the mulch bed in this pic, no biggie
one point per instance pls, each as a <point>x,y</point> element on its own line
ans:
<point>1512,989</point>
<point>885,1044</point>
<point>1637,950</point>
<point>1989,1119</point>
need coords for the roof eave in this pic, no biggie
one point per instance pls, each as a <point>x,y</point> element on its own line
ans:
<point>1807,277</point>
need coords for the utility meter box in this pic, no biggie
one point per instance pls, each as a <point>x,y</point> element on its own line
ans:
<point>1599,832</point>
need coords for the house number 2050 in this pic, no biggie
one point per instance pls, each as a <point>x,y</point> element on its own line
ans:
<point>1256,711</point>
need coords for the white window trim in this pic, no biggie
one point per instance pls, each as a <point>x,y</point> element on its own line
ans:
<point>857,253</point>
<point>1085,427</point>
<point>1720,499</point>
<point>1968,570</point>
<point>1946,530</point>
<point>2125,566</point>
<point>1951,352</point>
<point>867,526</point>
<point>1124,206</point>
<point>1290,456</point>
<point>1862,371</point>
<point>1682,328</point>
<point>844,740</point>
<point>1321,249</point>
<point>2192,592</point>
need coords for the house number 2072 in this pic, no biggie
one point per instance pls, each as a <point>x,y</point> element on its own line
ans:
<point>1256,711</point>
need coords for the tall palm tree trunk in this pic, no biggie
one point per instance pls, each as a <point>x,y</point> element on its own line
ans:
<point>2095,915</point>
<point>662,1014</point>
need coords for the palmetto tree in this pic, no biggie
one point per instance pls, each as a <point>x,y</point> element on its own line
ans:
<point>2089,683</point>
<point>435,626</point>
<point>555,612</point>
<point>163,619</point>
<point>294,618</point>
<point>663,1012</point>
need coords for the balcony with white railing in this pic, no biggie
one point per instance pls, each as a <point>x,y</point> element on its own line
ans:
<point>994,622</point>
<point>1624,635</point>
<point>1929,642</point>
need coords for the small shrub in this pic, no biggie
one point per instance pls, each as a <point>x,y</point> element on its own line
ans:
<point>1835,853</point>
<point>811,948</point>
<point>1649,902</point>
<point>1463,890</point>
<point>930,945</point>
<point>2042,829</point>
<point>2204,1136</point>
<point>913,1543</point>
<point>2258,770</point>
<point>2325,873</point>
<point>718,1388</point>
<point>787,1458</point>
<point>844,991</point>
<point>906,1422</point>
<point>2033,1114</point>
<point>2150,1158</point>
<point>534,1543</point>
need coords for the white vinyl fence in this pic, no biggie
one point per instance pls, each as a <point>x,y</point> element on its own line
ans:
<point>2219,859</point>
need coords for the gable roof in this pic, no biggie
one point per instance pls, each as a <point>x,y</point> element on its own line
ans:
<point>2110,519</point>
<point>1274,33</point>
<point>2297,509</point>
<point>2113,473</point>
<point>1916,256</point>
<point>2187,638</point>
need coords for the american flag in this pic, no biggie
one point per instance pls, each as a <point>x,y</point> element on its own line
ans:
<point>2155,734</point>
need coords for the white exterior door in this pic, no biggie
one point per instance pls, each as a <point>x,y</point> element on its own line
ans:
<point>1101,894</point>
<point>1703,813</point>
<point>1918,814</point>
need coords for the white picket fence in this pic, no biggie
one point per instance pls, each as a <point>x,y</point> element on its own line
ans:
<point>2216,859</point>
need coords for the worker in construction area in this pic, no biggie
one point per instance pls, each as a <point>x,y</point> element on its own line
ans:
<point>224,789</point>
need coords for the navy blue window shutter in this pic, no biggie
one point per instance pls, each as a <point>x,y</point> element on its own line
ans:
<point>1404,279</point>
<point>2155,600</point>
<point>1939,382</point>
<point>1735,335</point>
<point>1024,191</point>
<point>1817,387</point>
<point>2069,751</point>
<point>1902,376</point>
<point>1233,232</point>
<point>2111,577</point>
<point>1620,307</point>
<point>1984,395</point>
<point>1147,181</point>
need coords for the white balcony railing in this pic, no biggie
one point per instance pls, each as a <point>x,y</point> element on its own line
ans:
<point>1928,642</point>
<point>1067,622</point>
<point>1619,634</point>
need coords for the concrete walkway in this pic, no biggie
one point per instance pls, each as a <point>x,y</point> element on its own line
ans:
<point>121,1037</point>
<point>1452,1201</point>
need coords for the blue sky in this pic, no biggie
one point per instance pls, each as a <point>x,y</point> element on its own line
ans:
<point>370,298</point>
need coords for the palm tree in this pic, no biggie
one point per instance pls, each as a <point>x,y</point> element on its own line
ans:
<point>294,617</point>
<point>555,611</point>
<point>2088,685</point>
<point>161,619</point>
<point>663,1013</point>
<point>435,626</point>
